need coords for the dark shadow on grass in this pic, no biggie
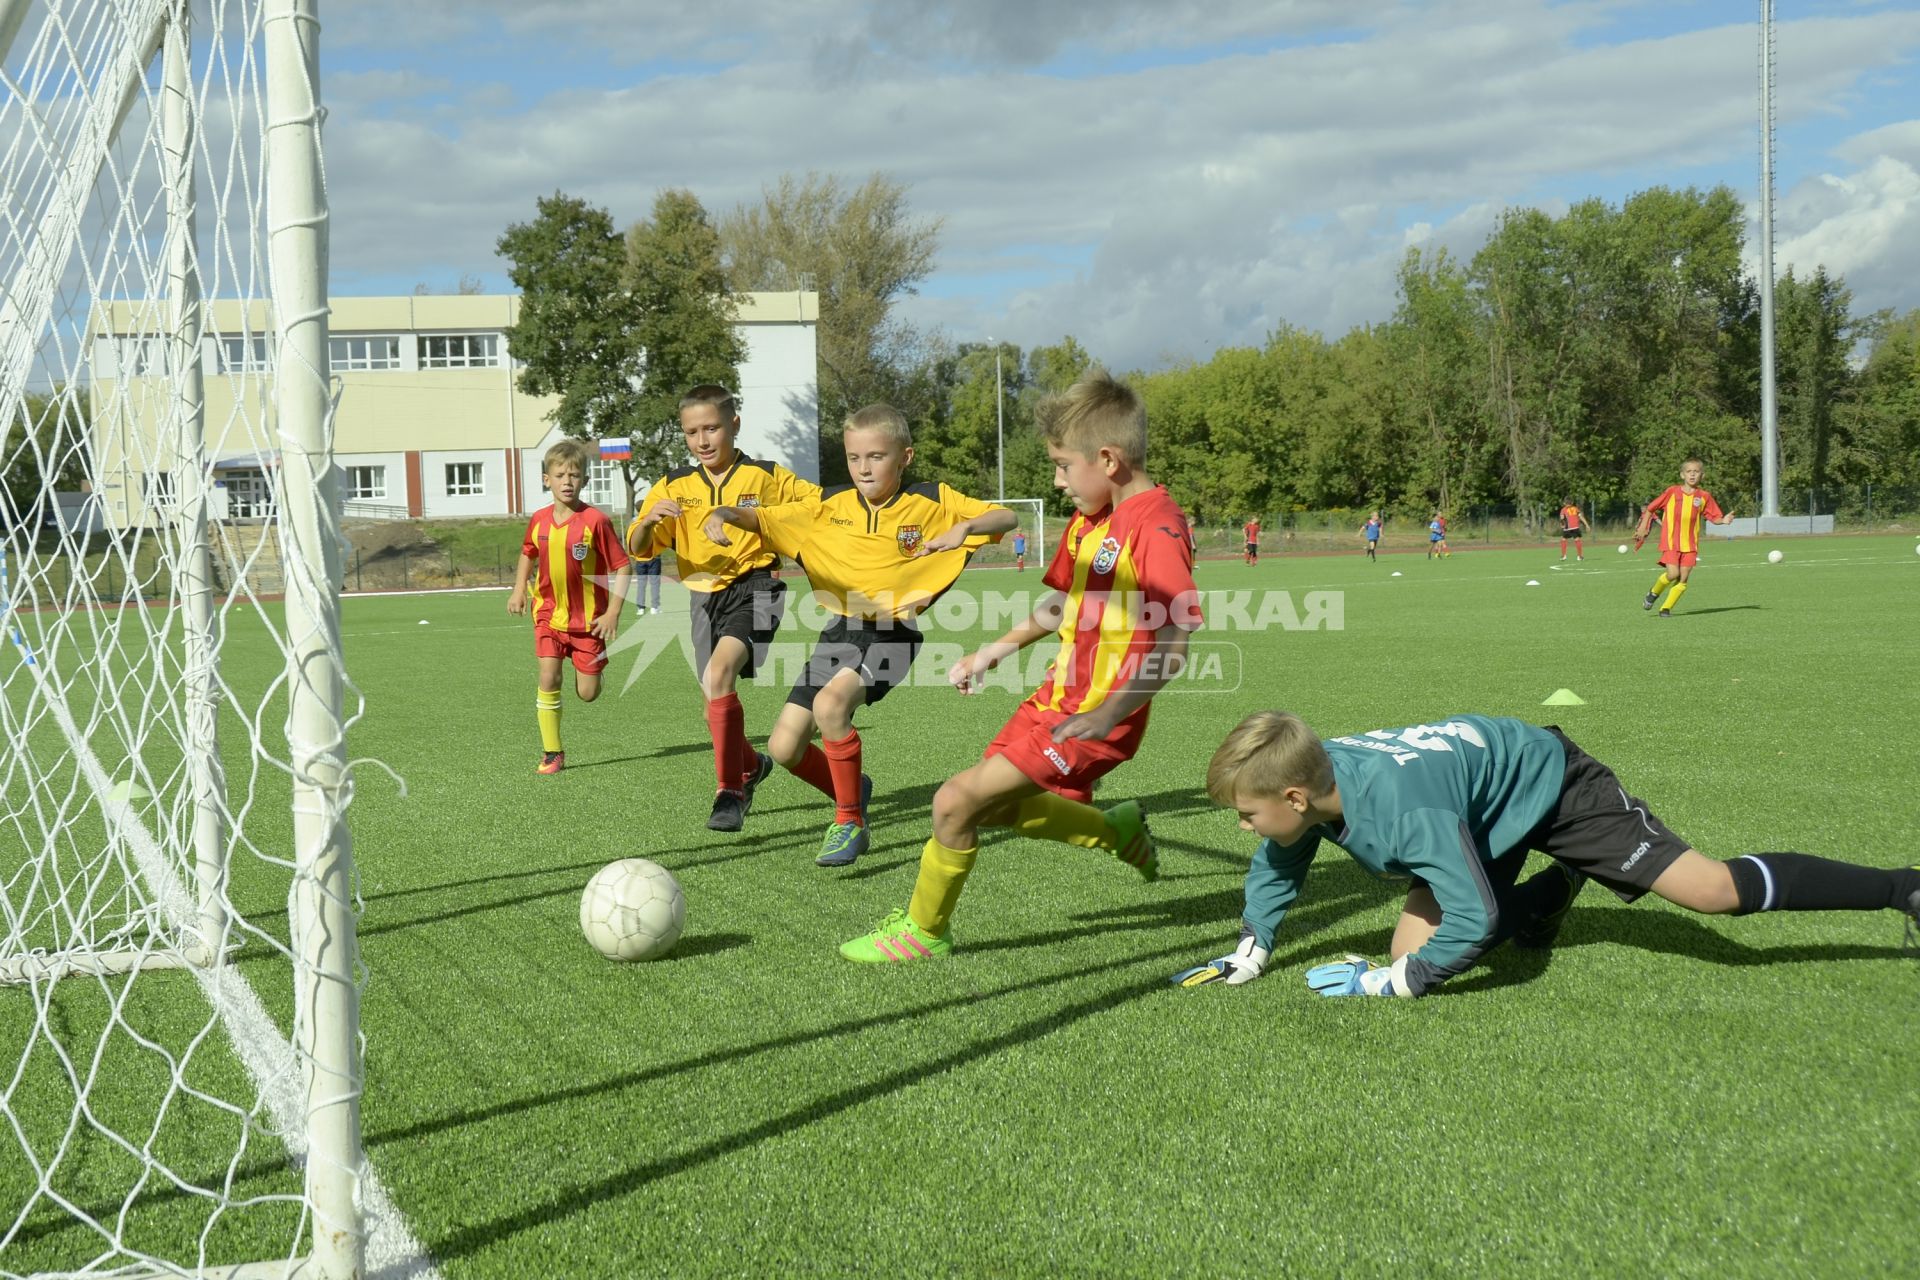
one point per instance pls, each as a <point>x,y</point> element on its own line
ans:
<point>1725,608</point>
<point>577,1199</point>
<point>1678,935</point>
<point>706,944</point>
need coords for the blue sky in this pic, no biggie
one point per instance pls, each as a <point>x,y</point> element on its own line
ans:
<point>1157,177</point>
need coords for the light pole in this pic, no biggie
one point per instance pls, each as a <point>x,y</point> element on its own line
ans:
<point>999,417</point>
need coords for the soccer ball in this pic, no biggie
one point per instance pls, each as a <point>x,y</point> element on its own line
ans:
<point>1775,557</point>
<point>633,910</point>
<point>1623,548</point>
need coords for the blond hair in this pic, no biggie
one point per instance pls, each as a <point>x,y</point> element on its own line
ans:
<point>1099,411</point>
<point>883,418</point>
<point>1267,753</point>
<point>578,452</point>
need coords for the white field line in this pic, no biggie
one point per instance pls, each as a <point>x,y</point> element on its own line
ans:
<point>393,1252</point>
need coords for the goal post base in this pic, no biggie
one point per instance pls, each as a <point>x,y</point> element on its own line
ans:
<point>19,971</point>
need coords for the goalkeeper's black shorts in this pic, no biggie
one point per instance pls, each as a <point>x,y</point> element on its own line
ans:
<point>1597,828</point>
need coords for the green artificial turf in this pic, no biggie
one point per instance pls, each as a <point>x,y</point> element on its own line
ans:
<point>1662,1093</point>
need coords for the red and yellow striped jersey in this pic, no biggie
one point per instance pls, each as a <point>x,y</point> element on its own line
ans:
<point>1681,514</point>
<point>705,565</point>
<point>1126,572</point>
<point>573,555</point>
<point>863,560</point>
<point>1570,517</point>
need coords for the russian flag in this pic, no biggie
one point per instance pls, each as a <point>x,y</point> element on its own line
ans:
<point>616,450</point>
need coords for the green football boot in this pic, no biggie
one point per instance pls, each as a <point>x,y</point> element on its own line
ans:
<point>896,940</point>
<point>1136,842</point>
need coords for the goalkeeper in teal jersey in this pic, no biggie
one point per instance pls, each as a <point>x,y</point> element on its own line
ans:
<point>1454,807</point>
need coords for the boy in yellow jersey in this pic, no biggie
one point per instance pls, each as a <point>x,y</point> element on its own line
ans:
<point>1681,510</point>
<point>737,603</point>
<point>1122,605</point>
<point>877,555</point>
<point>568,551</point>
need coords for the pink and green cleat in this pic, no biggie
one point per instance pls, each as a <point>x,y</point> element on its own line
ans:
<point>1136,842</point>
<point>896,940</point>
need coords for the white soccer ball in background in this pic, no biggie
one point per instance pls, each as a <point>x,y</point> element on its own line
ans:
<point>633,910</point>
<point>1775,557</point>
<point>1623,548</point>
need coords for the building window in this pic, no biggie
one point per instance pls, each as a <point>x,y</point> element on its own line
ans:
<point>370,482</point>
<point>243,355</point>
<point>600,485</point>
<point>156,489</point>
<point>460,351</point>
<point>364,352</point>
<point>465,479</point>
<point>140,357</point>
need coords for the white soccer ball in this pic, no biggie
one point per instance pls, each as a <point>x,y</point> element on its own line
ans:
<point>1623,548</point>
<point>633,910</point>
<point>1775,557</point>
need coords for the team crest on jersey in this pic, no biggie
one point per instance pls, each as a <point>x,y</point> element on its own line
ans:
<point>748,500</point>
<point>580,550</point>
<point>1698,502</point>
<point>908,536</point>
<point>1107,556</point>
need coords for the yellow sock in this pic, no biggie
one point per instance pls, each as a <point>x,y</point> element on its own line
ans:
<point>1660,584</point>
<point>943,873</point>
<point>546,706</point>
<point>1673,596</point>
<point>1051,817</point>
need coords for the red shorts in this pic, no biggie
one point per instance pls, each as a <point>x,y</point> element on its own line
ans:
<point>588,651</point>
<point>1067,768</point>
<point>1679,559</point>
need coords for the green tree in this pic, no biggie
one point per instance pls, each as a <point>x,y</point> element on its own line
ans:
<point>685,311</point>
<point>579,324</point>
<point>44,450</point>
<point>862,250</point>
<point>1813,338</point>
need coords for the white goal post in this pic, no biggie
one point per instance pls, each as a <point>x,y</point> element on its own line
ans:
<point>175,789</point>
<point>1033,519</point>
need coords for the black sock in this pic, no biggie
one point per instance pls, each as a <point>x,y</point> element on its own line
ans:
<point>1800,882</point>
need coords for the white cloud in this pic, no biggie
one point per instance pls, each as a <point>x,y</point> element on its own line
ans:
<point>1202,203</point>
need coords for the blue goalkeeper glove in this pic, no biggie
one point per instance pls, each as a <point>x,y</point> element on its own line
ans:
<point>1354,976</point>
<point>1241,965</point>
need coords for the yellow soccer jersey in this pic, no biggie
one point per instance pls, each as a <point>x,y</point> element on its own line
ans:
<point>705,565</point>
<point>862,559</point>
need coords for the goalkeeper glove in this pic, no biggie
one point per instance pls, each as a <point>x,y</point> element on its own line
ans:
<point>1354,976</point>
<point>1241,965</point>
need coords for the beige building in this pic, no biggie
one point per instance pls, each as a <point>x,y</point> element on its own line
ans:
<point>428,420</point>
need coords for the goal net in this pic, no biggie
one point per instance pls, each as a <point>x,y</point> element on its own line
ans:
<point>1033,522</point>
<point>179,1057</point>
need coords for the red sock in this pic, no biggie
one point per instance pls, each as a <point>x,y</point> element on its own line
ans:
<point>814,770</point>
<point>749,756</point>
<point>843,757</point>
<point>1563,548</point>
<point>726,721</point>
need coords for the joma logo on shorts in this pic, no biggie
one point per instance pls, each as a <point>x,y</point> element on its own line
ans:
<point>1638,854</point>
<point>1058,762</point>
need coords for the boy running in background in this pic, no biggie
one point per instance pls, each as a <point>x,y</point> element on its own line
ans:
<point>1122,604</point>
<point>1681,509</point>
<point>569,549</point>
<point>1571,523</point>
<point>737,603</point>
<point>1454,807</point>
<point>1252,529</point>
<point>1371,531</point>
<point>1437,537</point>
<point>1020,550</point>
<point>877,555</point>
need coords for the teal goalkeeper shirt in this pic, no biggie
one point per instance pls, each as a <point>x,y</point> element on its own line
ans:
<point>1432,802</point>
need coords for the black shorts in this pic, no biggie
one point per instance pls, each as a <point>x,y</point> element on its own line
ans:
<point>1596,827</point>
<point>1253,548</point>
<point>1569,533</point>
<point>881,654</point>
<point>749,609</point>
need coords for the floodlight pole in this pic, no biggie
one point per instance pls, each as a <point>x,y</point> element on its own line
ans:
<point>1000,417</point>
<point>1769,393</point>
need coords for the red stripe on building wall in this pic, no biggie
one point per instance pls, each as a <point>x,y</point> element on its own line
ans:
<point>416,492</point>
